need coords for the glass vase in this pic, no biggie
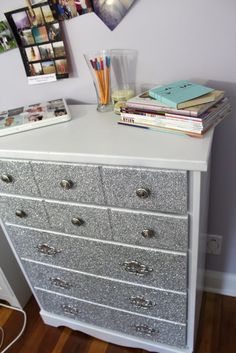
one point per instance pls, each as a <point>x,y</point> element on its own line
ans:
<point>99,63</point>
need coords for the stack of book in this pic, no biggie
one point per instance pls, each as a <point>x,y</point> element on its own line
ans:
<point>182,107</point>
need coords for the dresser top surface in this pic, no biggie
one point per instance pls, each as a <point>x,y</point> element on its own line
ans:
<point>92,137</point>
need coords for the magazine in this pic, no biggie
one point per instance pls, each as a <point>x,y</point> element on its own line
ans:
<point>33,116</point>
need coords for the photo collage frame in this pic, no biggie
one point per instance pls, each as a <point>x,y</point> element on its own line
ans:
<point>33,116</point>
<point>39,38</point>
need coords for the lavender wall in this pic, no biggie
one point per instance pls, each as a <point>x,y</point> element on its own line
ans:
<point>181,39</point>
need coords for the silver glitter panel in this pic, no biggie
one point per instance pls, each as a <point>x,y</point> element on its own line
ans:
<point>87,186</point>
<point>162,332</point>
<point>23,182</point>
<point>168,271</point>
<point>95,220</point>
<point>170,232</point>
<point>168,188</point>
<point>35,214</point>
<point>162,304</point>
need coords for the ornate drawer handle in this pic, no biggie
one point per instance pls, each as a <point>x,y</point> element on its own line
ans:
<point>47,250</point>
<point>141,302</point>
<point>70,309</point>
<point>77,221</point>
<point>58,282</point>
<point>6,178</point>
<point>21,214</point>
<point>149,331</point>
<point>136,267</point>
<point>143,193</point>
<point>148,233</point>
<point>66,184</point>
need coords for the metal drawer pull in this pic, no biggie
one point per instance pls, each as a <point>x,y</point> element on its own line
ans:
<point>47,250</point>
<point>148,233</point>
<point>6,178</point>
<point>136,267</point>
<point>141,302</point>
<point>149,331</point>
<point>58,282</point>
<point>66,184</point>
<point>77,221</point>
<point>143,193</point>
<point>21,214</point>
<point>70,309</point>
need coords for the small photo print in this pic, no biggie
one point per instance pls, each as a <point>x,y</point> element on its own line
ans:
<point>48,67</point>
<point>32,53</point>
<point>46,51</point>
<point>34,118</point>
<point>35,69</point>
<point>36,18</point>
<point>83,6</point>
<point>16,111</point>
<point>47,13</point>
<point>34,108</point>
<point>7,40</point>
<point>64,9</point>
<point>59,49</point>
<point>11,121</point>
<point>21,20</point>
<point>61,66</point>
<point>54,33</point>
<point>40,34</point>
<point>26,37</point>
<point>55,104</point>
<point>35,2</point>
<point>60,112</point>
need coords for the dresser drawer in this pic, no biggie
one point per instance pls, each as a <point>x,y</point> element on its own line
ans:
<point>16,177</point>
<point>75,182</point>
<point>23,212</point>
<point>151,302</point>
<point>150,230</point>
<point>154,268</point>
<point>148,189</point>
<point>130,324</point>
<point>88,221</point>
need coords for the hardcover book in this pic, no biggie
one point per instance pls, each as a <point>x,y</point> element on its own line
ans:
<point>145,102</point>
<point>33,116</point>
<point>177,93</point>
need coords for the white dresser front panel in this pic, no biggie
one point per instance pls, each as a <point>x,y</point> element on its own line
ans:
<point>148,189</point>
<point>130,324</point>
<point>134,298</point>
<point>146,267</point>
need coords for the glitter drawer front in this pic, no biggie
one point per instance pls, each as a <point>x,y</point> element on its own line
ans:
<point>136,325</point>
<point>127,296</point>
<point>103,245</point>
<point>151,267</point>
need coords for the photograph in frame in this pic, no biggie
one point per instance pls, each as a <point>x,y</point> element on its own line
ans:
<point>38,35</point>
<point>7,40</point>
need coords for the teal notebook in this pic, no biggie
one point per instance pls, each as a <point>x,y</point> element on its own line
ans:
<point>178,92</point>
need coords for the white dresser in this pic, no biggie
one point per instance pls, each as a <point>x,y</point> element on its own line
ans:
<point>108,224</point>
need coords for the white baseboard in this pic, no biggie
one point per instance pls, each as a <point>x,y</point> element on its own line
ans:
<point>220,282</point>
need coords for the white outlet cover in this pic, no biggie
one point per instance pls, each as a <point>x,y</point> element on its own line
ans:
<point>214,244</point>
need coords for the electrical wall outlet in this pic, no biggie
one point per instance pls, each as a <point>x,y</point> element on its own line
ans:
<point>214,244</point>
